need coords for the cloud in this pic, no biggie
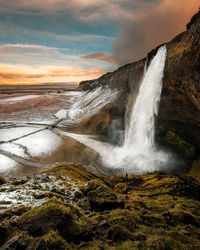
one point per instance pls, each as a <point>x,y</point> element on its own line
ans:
<point>29,54</point>
<point>27,46</point>
<point>151,27</point>
<point>84,26</point>
<point>101,56</point>
<point>82,9</point>
<point>28,49</point>
<point>41,74</point>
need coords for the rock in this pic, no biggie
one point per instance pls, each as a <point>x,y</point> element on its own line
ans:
<point>24,242</point>
<point>118,233</point>
<point>100,198</point>
<point>161,211</point>
<point>185,149</point>
<point>36,245</point>
<point>15,243</point>
<point>40,220</point>
<point>2,180</point>
<point>124,79</point>
<point>3,234</point>
<point>179,109</point>
<point>121,188</point>
<point>177,216</point>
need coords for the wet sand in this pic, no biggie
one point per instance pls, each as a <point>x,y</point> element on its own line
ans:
<point>38,106</point>
<point>32,103</point>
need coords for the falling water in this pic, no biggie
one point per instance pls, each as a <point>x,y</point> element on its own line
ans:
<point>139,153</point>
<point>139,134</point>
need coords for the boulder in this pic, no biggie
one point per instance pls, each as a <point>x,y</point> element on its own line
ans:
<point>101,198</point>
<point>37,222</point>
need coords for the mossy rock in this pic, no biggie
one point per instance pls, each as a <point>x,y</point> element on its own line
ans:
<point>163,242</point>
<point>161,212</point>
<point>118,233</point>
<point>55,242</point>
<point>130,180</point>
<point>182,147</point>
<point>195,170</point>
<point>100,197</point>
<point>77,173</point>
<point>39,221</point>
<point>117,178</point>
<point>180,216</point>
<point>121,188</point>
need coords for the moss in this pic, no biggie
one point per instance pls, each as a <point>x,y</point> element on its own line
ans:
<point>121,188</point>
<point>55,242</point>
<point>118,233</point>
<point>117,178</point>
<point>76,173</point>
<point>161,211</point>
<point>195,170</point>
<point>184,148</point>
<point>53,216</point>
<point>184,217</point>
<point>163,242</point>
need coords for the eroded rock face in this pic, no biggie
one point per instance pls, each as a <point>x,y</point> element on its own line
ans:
<point>180,100</point>
<point>126,80</point>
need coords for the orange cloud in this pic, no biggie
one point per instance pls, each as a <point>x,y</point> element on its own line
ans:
<point>31,74</point>
<point>101,56</point>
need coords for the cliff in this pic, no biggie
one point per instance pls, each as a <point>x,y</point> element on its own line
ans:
<point>179,113</point>
<point>180,100</point>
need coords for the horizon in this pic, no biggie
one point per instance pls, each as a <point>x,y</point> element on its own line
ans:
<point>40,84</point>
<point>58,42</point>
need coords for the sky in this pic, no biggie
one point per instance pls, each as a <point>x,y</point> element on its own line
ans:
<point>54,41</point>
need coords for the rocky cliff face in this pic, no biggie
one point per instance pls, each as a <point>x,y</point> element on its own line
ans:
<point>180,100</point>
<point>127,80</point>
<point>178,123</point>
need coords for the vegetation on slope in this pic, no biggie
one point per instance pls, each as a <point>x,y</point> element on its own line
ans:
<point>152,211</point>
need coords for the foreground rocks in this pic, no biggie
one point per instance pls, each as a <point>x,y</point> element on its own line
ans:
<point>68,207</point>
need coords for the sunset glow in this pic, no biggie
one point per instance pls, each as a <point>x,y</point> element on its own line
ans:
<point>61,41</point>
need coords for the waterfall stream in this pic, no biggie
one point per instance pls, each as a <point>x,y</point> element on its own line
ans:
<point>139,134</point>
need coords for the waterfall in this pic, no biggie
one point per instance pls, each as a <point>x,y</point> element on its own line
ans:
<point>139,134</point>
<point>139,153</point>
